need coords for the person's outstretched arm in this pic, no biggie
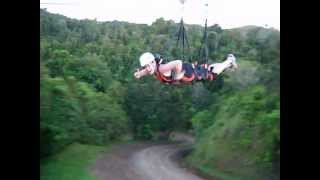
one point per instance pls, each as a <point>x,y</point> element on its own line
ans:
<point>139,73</point>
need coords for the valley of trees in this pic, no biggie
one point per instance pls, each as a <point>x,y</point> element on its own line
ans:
<point>88,93</point>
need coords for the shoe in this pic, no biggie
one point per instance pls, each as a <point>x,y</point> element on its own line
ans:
<point>233,60</point>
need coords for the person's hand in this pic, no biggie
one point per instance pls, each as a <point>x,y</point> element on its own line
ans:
<point>137,74</point>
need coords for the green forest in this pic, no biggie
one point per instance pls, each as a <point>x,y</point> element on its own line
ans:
<point>88,93</point>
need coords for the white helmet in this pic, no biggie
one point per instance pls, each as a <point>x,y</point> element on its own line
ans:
<point>146,58</point>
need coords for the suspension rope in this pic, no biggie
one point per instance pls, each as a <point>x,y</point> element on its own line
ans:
<point>182,34</point>
<point>203,51</point>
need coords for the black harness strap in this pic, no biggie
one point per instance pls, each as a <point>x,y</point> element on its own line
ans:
<point>182,36</point>
<point>203,51</point>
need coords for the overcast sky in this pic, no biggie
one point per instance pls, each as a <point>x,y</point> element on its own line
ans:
<point>226,13</point>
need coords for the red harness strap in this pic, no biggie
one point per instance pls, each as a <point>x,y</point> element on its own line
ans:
<point>211,76</point>
<point>161,77</point>
<point>188,79</point>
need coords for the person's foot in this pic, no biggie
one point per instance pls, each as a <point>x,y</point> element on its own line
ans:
<point>234,64</point>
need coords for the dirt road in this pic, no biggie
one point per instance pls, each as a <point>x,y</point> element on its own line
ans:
<point>142,161</point>
<point>156,163</point>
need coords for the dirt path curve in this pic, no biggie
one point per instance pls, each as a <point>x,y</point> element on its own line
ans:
<point>141,161</point>
<point>156,163</point>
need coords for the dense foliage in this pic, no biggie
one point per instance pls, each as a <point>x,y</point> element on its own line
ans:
<point>89,95</point>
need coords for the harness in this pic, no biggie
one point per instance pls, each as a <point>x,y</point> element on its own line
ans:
<point>195,75</point>
<point>203,73</point>
<point>161,77</point>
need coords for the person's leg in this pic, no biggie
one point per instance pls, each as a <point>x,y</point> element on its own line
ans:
<point>218,68</point>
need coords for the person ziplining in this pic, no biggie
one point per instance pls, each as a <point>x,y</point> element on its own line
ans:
<point>177,71</point>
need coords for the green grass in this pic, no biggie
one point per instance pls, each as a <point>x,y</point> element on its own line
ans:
<point>71,164</point>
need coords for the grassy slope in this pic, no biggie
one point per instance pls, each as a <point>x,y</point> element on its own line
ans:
<point>70,164</point>
<point>239,143</point>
